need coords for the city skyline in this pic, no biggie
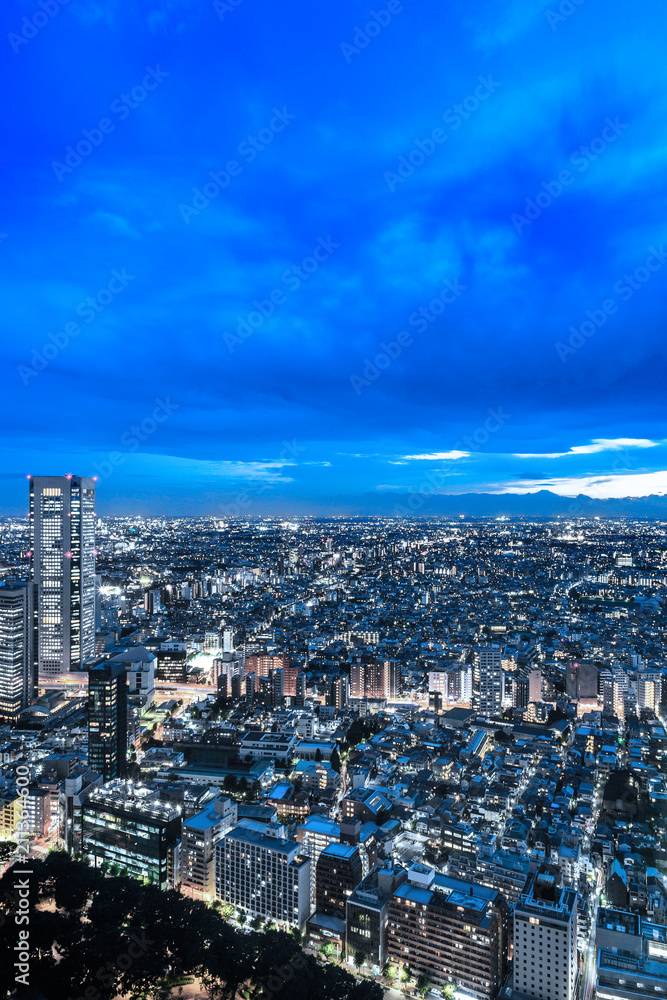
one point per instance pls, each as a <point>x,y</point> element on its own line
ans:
<point>320,257</point>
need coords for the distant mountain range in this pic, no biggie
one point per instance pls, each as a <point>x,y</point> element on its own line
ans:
<point>541,504</point>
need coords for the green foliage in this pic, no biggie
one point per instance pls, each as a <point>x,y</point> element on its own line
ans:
<point>423,985</point>
<point>93,923</point>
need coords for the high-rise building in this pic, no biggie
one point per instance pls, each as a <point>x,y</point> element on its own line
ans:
<point>62,554</point>
<point>301,689</point>
<point>263,875</point>
<point>375,679</point>
<point>340,691</point>
<point>131,827</point>
<point>489,664</point>
<point>453,932</point>
<point>277,688</point>
<point>339,872</point>
<point>199,835</point>
<point>649,689</point>
<point>17,680</point>
<point>107,719</point>
<point>546,960</point>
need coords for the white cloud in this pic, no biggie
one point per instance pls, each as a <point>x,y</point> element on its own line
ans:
<point>597,445</point>
<point>437,456</point>
<point>640,484</point>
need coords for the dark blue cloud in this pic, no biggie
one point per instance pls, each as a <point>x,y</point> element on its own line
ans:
<point>446,145</point>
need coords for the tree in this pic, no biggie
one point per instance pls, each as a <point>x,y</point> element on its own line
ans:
<point>359,958</point>
<point>327,950</point>
<point>256,923</point>
<point>318,755</point>
<point>227,911</point>
<point>423,985</point>
<point>335,760</point>
<point>7,848</point>
<point>391,973</point>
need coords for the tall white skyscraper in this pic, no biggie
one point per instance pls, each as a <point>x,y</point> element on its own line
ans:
<point>62,543</point>
<point>16,659</point>
<point>546,960</point>
<point>489,665</point>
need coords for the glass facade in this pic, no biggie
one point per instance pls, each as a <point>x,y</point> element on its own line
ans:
<point>62,544</point>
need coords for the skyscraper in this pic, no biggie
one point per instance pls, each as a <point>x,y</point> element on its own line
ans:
<point>489,663</point>
<point>62,544</point>
<point>16,659</point>
<point>107,719</point>
<point>546,961</point>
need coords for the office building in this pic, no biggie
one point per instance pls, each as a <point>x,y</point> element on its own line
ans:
<point>171,665</point>
<point>17,680</point>
<point>581,679</point>
<point>107,719</point>
<point>451,931</point>
<point>263,875</point>
<point>489,666</point>
<point>62,561</point>
<point>545,938</point>
<point>128,826</point>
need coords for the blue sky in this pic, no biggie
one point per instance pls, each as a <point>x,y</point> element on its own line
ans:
<point>436,243</point>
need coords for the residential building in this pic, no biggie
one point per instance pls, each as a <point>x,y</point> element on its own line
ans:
<point>489,667</point>
<point>199,835</point>
<point>451,931</point>
<point>339,872</point>
<point>263,875</point>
